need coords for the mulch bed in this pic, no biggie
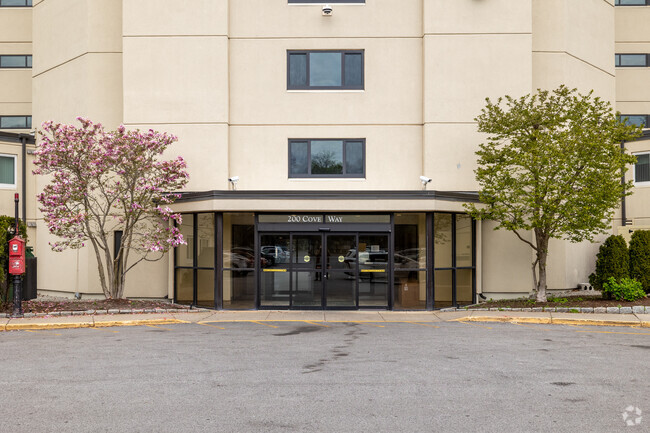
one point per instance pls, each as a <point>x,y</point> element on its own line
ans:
<point>36,306</point>
<point>568,302</point>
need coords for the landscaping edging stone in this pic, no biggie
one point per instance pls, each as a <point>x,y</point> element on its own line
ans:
<point>637,309</point>
<point>111,312</point>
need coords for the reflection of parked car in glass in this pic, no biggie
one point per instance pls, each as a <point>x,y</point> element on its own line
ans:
<point>367,260</point>
<point>241,257</point>
<point>275,254</point>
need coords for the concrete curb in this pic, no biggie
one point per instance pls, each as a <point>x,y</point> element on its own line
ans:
<point>553,321</point>
<point>108,312</point>
<point>86,324</point>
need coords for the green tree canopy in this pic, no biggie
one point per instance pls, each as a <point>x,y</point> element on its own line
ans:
<point>552,165</point>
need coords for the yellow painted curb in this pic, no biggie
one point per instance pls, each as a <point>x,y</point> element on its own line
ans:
<point>588,322</point>
<point>23,326</point>
<point>505,319</point>
<point>551,321</point>
<point>138,322</point>
<point>72,325</point>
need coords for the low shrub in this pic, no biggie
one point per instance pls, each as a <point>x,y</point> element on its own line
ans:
<point>625,289</point>
<point>613,260</point>
<point>640,258</point>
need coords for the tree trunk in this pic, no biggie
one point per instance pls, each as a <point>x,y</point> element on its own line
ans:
<point>542,254</point>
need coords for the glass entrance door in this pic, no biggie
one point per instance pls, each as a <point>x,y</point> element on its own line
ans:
<point>341,270</point>
<point>324,270</point>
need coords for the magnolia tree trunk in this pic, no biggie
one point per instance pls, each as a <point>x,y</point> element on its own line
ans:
<point>539,274</point>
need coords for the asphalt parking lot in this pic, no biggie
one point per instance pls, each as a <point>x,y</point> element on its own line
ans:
<point>301,376</point>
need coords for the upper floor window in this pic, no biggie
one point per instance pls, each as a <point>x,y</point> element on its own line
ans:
<point>13,61</point>
<point>632,2</point>
<point>635,119</point>
<point>15,122</point>
<point>631,60</point>
<point>7,170</point>
<point>642,168</point>
<point>327,158</point>
<point>15,3</point>
<point>325,69</point>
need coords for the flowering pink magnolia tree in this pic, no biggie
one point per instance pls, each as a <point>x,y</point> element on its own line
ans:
<point>103,182</point>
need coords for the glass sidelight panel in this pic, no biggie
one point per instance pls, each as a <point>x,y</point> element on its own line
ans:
<point>373,270</point>
<point>410,290</point>
<point>205,288</point>
<point>341,271</point>
<point>442,237</point>
<point>238,240</point>
<point>185,253</point>
<point>463,240</point>
<point>443,289</point>
<point>464,278</point>
<point>184,286</point>
<point>205,234</point>
<point>239,290</point>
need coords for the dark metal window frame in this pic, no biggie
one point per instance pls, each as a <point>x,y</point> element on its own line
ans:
<point>618,3</point>
<point>343,86</point>
<point>646,116</point>
<point>195,268</point>
<point>617,60</point>
<point>15,163</point>
<point>325,230</point>
<point>308,175</point>
<point>26,4</point>
<point>453,268</point>
<point>27,122</point>
<point>26,64</point>
<point>642,182</point>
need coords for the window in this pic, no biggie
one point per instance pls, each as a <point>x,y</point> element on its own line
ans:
<point>325,69</point>
<point>11,61</point>
<point>15,3</point>
<point>642,168</point>
<point>7,170</point>
<point>632,2</point>
<point>330,1</point>
<point>15,122</point>
<point>631,60</point>
<point>327,158</point>
<point>635,119</point>
<point>15,61</point>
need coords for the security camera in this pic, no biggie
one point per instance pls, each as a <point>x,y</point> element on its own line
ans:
<point>425,180</point>
<point>233,181</point>
<point>327,10</point>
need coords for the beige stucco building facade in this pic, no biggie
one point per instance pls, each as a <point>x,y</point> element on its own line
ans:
<point>262,90</point>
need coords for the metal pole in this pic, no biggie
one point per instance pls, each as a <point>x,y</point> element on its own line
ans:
<point>18,293</point>
<point>24,177</point>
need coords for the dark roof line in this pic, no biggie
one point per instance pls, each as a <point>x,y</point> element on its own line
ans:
<point>17,137</point>
<point>461,196</point>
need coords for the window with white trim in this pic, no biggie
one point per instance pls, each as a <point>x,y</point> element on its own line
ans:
<point>642,168</point>
<point>7,171</point>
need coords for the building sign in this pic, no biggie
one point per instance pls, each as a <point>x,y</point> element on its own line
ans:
<point>320,219</point>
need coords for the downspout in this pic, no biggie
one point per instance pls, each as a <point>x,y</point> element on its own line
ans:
<point>623,212</point>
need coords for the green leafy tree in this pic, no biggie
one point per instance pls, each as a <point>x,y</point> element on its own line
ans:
<point>612,261</point>
<point>7,228</point>
<point>551,165</point>
<point>640,258</point>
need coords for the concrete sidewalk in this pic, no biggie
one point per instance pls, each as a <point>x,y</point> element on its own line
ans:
<point>107,320</point>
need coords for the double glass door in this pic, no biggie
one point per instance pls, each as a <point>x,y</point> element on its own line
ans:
<point>316,270</point>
